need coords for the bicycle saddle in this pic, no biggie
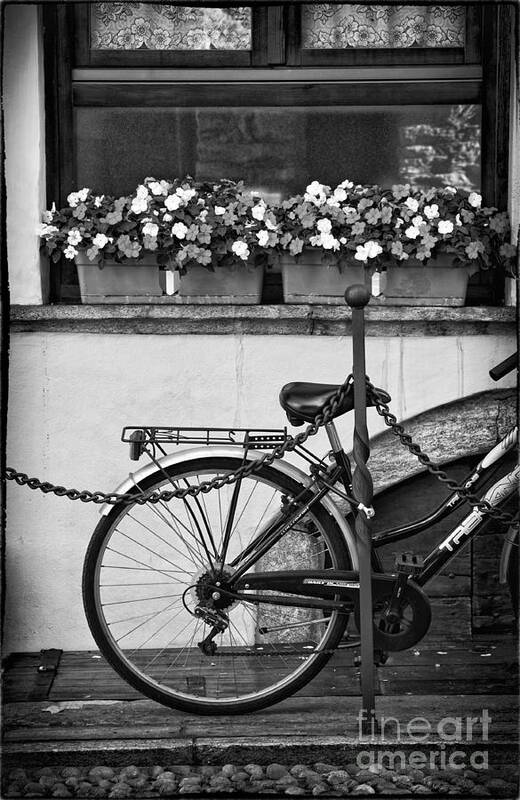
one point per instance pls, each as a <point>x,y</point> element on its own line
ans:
<point>302,401</point>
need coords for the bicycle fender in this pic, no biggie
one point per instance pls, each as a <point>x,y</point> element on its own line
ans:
<point>508,551</point>
<point>135,478</point>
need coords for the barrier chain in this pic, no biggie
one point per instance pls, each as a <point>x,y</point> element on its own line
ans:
<point>377,397</point>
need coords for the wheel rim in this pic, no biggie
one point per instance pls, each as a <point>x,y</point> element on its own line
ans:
<point>147,580</point>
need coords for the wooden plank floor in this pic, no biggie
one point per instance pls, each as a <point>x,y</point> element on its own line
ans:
<point>482,665</point>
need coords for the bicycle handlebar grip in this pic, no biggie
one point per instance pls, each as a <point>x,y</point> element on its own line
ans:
<point>357,296</point>
<point>504,368</point>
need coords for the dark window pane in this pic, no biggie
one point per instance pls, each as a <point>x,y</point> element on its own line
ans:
<point>327,26</point>
<point>142,26</point>
<point>279,150</point>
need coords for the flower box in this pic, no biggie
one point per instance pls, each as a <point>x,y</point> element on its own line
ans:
<point>143,281</point>
<point>441,283</point>
<point>133,281</point>
<point>227,284</point>
<point>306,279</point>
<point>436,284</point>
<point>190,225</point>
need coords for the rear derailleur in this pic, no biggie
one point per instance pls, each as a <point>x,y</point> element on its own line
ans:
<point>219,623</point>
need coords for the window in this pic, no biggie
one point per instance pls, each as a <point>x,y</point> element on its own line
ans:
<point>278,95</point>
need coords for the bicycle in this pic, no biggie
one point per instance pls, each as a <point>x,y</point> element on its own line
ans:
<point>234,591</point>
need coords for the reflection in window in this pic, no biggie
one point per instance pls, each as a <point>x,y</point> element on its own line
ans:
<point>153,26</point>
<point>377,26</point>
<point>279,150</point>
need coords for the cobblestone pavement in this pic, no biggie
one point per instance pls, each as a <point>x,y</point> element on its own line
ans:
<point>275,780</point>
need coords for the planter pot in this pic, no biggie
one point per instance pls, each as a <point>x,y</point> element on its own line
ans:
<point>143,281</point>
<point>237,285</point>
<point>437,284</point>
<point>134,281</point>
<point>308,280</point>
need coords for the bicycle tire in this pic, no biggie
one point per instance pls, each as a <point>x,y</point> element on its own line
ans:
<point>273,664</point>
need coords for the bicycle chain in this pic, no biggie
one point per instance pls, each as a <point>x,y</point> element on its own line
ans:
<point>290,444</point>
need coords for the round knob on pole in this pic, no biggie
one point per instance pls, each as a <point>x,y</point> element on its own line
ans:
<point>357,296</point>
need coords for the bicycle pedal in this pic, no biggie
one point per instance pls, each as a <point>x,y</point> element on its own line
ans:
<point>409,563</point>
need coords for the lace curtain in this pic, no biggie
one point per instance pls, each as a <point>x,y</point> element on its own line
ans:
<point>143,26</point>
<point>340,26</point>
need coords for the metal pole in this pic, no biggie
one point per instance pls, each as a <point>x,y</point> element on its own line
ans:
<point>357,297</point>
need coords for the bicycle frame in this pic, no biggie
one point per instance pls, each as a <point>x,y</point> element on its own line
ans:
<point>447,549</point>
<point>318,488</point>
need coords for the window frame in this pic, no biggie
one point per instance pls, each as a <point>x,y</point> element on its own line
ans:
<point>492,90</point>
<point>84,56</point>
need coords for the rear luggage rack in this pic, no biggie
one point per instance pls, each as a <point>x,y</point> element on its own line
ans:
<point>251,438</point>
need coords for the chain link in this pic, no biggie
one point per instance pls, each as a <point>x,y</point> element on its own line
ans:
<point>290,444</point>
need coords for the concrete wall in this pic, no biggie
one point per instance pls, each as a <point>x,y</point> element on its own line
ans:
<point>23,98</point>
<point>71,394</point>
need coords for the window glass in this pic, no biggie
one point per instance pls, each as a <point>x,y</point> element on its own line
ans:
<point>279,150</point>
<point>327,26</point>
<point>143,26</point>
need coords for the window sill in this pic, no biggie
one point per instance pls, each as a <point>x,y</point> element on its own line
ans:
<point>317,320</point>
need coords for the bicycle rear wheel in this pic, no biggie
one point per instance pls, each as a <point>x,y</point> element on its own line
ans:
<point>148,567</point>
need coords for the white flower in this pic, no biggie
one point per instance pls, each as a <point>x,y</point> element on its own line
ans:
<point>203,214</point>
<point>412,232</point>
<point>270,225</point>
<point>431,211</point>
<point>139,204</point>
<point>340,194</point>
<point>458,220</point>
<point>172,202</point>
<point>74,236</point>
<point>445,226</point>
<point>46,230</point>
<point>158,187</point>
<point>450,189</point>
<point>73,201</point>
<point>258,211</point>
<point>328,242</point>
<point>315,193</point>
<point>263,238</point>
<point>180,230</point>
<point>150,229</point>
<point>70,252</point>
<point>98,200</point>
<point>475,200</point>
<point>346,184</point>
<point>240,249</point>
<point>185,194</point>
<point>142,191</point>
<point>100,240</point>
<point>343,240</point>
<point>219,211</point>
<point>324,225</point>
<point>167,217</point>
<point>418,220</point>
<point>412,203</point>
<point>368,250</point>
<point>399,222</point>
